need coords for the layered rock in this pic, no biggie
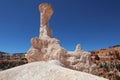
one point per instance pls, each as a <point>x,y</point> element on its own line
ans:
<point>106,55</point>
<point>47,48</point>
<point>46,11</point>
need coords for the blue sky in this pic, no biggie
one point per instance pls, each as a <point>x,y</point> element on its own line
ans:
<point>92,23</point>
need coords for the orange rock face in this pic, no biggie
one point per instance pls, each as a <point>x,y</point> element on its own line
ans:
<point>107,55</point>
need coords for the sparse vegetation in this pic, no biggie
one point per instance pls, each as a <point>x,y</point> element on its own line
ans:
<point>6,64</point>
<point>110,71</point>
<point>114,46</point>
<point>11,60</point>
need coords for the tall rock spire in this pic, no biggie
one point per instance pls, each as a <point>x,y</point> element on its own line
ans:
<point>47,48</point>
<point>46,11</point>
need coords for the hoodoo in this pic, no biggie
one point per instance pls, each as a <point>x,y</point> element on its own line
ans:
<point>47,48</point>
<point>46,11</point>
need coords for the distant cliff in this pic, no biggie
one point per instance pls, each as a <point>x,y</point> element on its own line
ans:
<point>107,54</point>
<point>108,61</point>
<point>9,56</point>
<point>8,60</point>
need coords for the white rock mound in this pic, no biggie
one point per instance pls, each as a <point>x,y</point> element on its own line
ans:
<point>51,70</point>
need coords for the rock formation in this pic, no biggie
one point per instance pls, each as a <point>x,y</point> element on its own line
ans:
<point>46,11</point>
<point>81,60</point>
<point>47,48</point>
<point>108,62</point>
<point>78,49</point>
<point>51,70</point>
<point>107,55</point>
